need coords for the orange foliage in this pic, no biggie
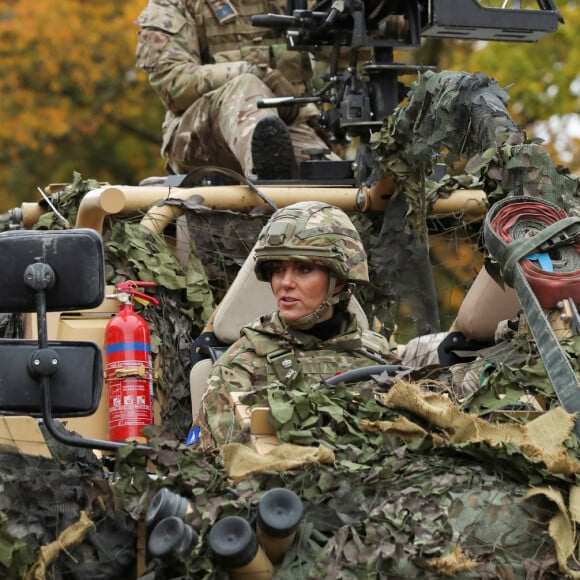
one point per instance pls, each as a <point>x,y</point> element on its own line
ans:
<point>456,262</point>
<point>68,77</point>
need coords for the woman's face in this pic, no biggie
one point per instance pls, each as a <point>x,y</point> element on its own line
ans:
<point>300,288</point>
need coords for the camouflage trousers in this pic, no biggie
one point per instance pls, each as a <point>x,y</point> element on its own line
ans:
<point>218,128</point>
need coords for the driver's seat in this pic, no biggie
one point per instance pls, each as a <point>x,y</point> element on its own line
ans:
<point>246,299</point>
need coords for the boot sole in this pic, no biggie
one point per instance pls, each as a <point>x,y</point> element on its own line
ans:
<point>272,150</point>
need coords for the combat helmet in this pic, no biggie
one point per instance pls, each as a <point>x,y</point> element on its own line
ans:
<point>315,232</point>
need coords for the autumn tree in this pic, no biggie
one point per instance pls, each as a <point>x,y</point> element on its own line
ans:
<point>72,99</point>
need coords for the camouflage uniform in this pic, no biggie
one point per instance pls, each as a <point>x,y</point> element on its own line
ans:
<point>271,350</point>
<point>209,77</point>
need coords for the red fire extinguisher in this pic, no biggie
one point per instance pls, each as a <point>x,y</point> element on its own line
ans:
<point>128,366</point>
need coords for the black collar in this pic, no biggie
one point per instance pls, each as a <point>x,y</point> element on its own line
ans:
<point>329,328</point>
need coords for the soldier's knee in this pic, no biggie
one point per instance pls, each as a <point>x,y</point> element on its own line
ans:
<point>247,82</point>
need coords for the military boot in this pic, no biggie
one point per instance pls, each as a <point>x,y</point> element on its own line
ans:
<point>272,150</point>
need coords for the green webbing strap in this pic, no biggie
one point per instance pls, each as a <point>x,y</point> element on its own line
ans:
<point>284,364</point>
<point>558,367</point>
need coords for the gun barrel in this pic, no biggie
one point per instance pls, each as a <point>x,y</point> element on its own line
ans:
<point>273,20</point>
<point>282,101</point>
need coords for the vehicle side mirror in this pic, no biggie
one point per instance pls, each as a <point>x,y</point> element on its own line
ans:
<point>75,256</point>
<point>52,270</point>
<point>75,385</point>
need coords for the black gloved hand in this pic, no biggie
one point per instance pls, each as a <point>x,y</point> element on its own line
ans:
<point>457,348</point>
<point>282,87</point>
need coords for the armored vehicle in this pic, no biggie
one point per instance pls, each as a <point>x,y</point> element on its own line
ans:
<point>461,462</point>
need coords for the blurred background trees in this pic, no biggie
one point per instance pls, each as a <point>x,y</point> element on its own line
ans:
<point>72,99</point>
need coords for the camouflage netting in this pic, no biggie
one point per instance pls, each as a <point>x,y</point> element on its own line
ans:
<point>405,495</point>
<point>58,519</point>
<point>462,120</point>
<point>381,508</point>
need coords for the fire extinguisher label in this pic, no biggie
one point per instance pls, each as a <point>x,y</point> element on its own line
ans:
<point>130,386</point>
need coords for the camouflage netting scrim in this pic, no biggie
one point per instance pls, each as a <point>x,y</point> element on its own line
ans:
<point>454,114</point>
<point>513,376</point>
<point>462,120</point>
<point>58,519</point>
<point>446,112</point>
<point>381,508</point>
<point>222,240</point>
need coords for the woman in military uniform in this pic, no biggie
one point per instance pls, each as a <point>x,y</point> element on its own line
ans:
<point>312,255</point>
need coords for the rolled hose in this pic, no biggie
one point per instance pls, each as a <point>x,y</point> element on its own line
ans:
<point>365,373</point>
<point>522,219</point>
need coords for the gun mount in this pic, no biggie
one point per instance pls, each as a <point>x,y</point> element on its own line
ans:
<point>359,97</point>
<point>373,23</point>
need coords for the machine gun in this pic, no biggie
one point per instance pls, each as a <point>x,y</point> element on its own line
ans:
<point>358,97</point>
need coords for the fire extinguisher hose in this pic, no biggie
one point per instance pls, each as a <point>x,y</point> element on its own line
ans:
<point>518,230</point>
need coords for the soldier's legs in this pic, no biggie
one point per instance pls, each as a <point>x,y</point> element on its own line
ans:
<point>237,115</point>
<point>218,128</point>
<point>305,137</point>
<point>195,142</point>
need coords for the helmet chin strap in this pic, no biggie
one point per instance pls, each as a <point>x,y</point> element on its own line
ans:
<point>308,321</point>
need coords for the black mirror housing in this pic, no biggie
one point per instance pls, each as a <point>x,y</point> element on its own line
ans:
<point>52,270</point>
<point>75,256</point>
<point>76,382</point>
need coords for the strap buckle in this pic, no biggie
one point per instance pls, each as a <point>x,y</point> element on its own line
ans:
<point>284,364</point>
<point>569,235</point>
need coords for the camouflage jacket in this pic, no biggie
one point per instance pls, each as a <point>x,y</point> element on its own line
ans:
<point>188,52</point>
<point>269,350</point>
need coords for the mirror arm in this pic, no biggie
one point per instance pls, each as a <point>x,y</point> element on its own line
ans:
<point>69,439</point>
<point>39,277</point>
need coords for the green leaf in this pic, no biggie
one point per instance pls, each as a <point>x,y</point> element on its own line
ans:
<point>282,410</point>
